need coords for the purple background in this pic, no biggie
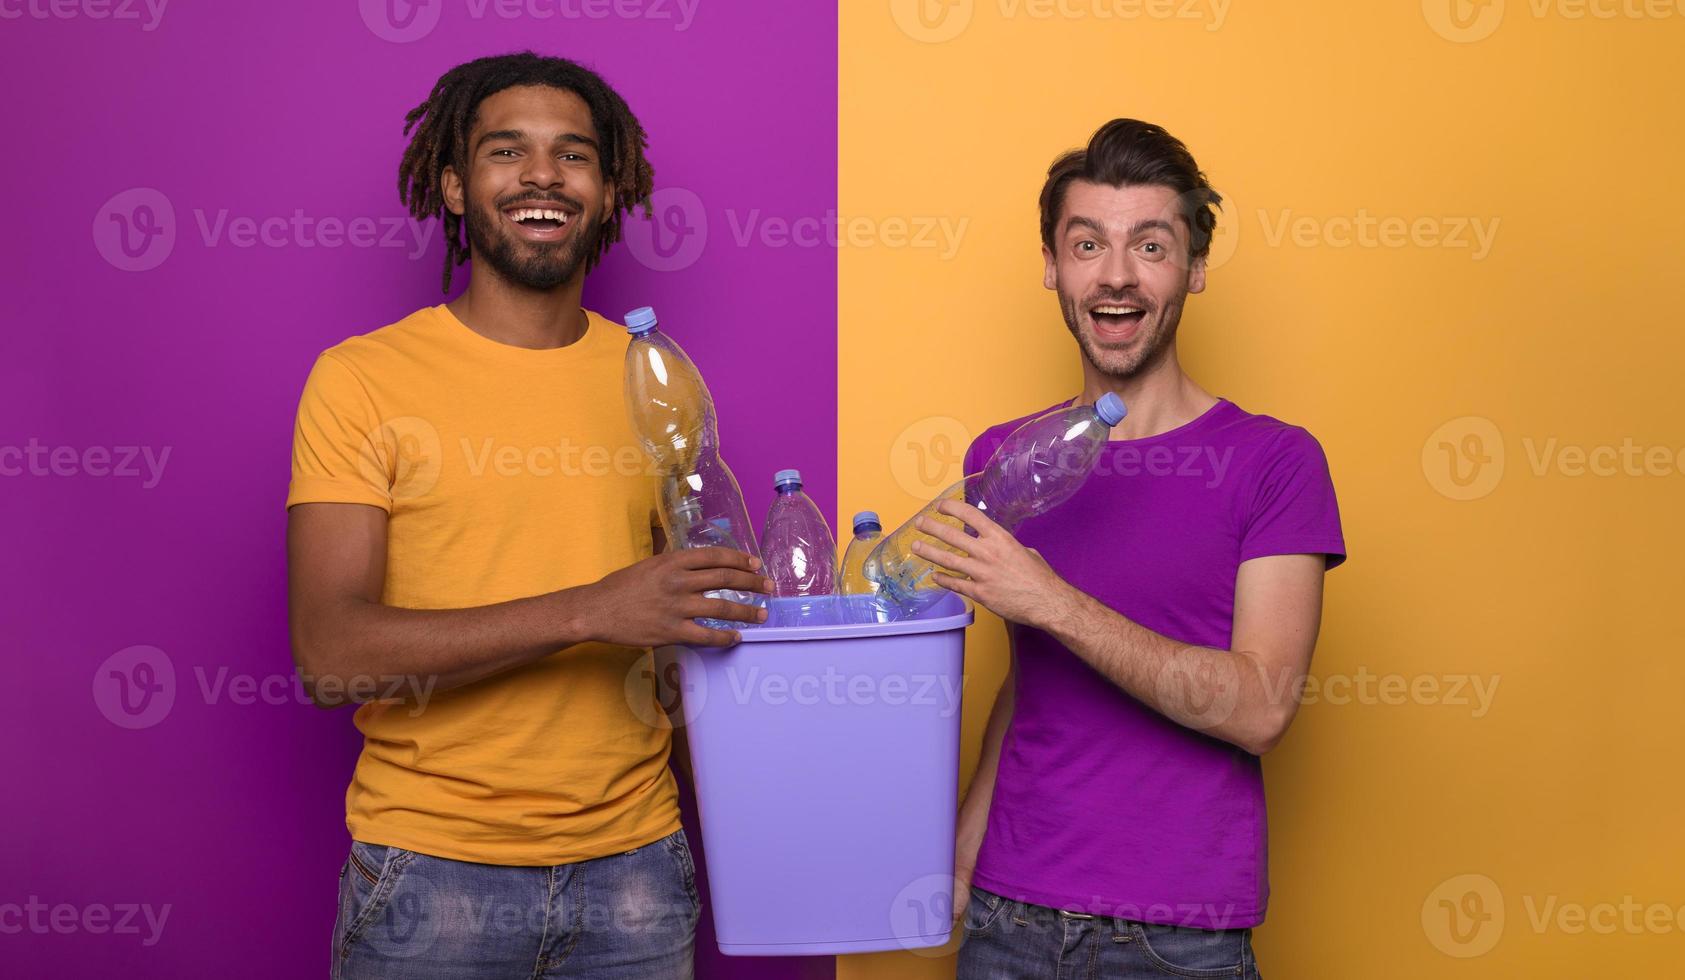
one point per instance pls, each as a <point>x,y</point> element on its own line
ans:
<point>232,814</point>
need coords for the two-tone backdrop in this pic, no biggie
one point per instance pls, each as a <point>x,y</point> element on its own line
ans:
<point>204,199</point>
<point>1449,250</point>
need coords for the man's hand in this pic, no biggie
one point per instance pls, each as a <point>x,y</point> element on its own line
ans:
<point>654,602</point>
<point>962,895</point>
<point>994,570</point>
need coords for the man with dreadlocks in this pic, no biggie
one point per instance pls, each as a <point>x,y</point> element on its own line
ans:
<point>470,539</point>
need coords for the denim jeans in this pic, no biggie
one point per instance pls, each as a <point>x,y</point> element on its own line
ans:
<point>413,916</point>
<point>1007,940</point>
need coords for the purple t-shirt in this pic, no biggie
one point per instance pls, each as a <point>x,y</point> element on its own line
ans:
<point>1101,804</point>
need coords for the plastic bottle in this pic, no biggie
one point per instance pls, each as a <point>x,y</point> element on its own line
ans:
<point>800,554</point>
<point>666,398</point>
<point>704,508</point>
<point>851,577</point>
<point>1039,466</point>
<point>673,414</point>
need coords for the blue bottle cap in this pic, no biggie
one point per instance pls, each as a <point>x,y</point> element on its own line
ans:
<point>640,320</point>
<point>1110,408</point>
<point>866,517</point>
<point>784,478</point>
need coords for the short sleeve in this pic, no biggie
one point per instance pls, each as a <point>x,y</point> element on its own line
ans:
<point>1293,510</point>
<point>338,452</point>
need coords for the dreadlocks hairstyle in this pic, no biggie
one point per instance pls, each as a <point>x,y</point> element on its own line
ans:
<point>442,124</point>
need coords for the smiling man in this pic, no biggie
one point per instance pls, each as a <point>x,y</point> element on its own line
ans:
<point>471,511</point>
<point>1162,620</point>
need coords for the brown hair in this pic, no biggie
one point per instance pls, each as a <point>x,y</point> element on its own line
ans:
<point>1129,152</point>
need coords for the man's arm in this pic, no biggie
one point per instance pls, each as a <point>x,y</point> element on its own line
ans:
<point>341,631</point>
<point>1246,696</point>
<point>974,811</point>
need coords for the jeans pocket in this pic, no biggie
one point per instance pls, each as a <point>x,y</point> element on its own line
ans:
<point>677,846</point>
<point>982,910</point>
<point>370,880</point>
<point>1185,952</point>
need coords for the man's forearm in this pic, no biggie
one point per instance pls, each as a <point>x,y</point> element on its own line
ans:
<point>973,818</point>
<point>358,643</point>
<point>1222,693</point>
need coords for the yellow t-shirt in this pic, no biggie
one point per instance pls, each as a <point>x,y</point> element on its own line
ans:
<point>505,473</point>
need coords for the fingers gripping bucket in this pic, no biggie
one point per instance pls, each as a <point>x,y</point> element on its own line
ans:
<point>826,761</point>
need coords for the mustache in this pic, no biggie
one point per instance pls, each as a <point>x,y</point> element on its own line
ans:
<point>562,201</point>
<point>1109,298</point>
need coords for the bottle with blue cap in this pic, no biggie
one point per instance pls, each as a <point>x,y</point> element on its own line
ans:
<point>666,398</point>
<point>1038,467</point>
<point>851,574</point>
<point>673,414</point>
<point>796,543</point>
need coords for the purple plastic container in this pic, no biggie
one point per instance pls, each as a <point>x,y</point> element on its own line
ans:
<point>826,760</point>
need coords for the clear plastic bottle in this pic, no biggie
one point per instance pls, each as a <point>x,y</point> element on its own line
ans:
<point>704,508</point>
<point>673,414</point>
<point>666,398</point>
<point>851,576</point>
<point>800,553</point>
<point>1038,467</point>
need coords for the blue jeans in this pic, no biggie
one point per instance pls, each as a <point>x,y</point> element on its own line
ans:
<point>1007,940</point>
<point>417,917</point>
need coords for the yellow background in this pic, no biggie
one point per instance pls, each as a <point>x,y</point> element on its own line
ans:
<point>1562,589</point>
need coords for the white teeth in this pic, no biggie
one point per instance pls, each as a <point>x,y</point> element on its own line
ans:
<point>1117,310</point>
<point>526,214</point>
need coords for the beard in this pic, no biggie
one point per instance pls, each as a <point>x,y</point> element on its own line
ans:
<point>535,265</point>
<point>1136,356</point>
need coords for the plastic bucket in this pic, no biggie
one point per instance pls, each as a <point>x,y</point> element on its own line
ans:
<point>826,760</point>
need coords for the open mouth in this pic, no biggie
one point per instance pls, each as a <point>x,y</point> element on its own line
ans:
<point>1117,321</point>
<point>539,223</point>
